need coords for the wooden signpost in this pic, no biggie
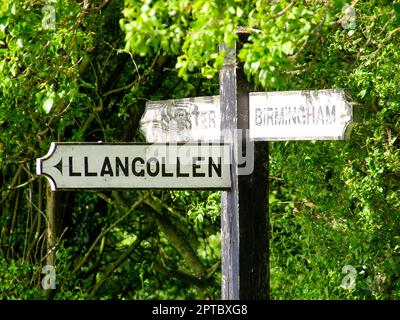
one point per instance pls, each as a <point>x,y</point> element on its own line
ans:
<point>242,123</point>
<point>272,116</point>
<point>244,208</point>
<point>136,166</point>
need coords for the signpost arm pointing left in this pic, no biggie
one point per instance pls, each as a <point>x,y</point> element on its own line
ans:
<point>95,166</point>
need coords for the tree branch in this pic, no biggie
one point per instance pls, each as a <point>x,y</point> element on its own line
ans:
<point>108,229</point>
<point>178,241</point>
<point>285,9</point>
<point>188,278</point>
<point>143,235</point>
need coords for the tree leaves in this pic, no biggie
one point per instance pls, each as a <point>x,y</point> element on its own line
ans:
<point>48,104</point>
<point>331,203</point>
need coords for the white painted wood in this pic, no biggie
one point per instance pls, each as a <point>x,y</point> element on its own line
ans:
<point>299,115</point>
<point>273,116</point>
<point>182,120</point>
<point>136,166</point>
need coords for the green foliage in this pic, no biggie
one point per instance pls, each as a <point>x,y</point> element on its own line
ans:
<point>332,204</point>
<point>209,207</point>
<point>341,199</point>
<point>15,281</point>
<point>192,30</point>
<point>281,37</point>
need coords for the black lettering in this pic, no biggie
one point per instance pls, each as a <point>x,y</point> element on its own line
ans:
<point>320,116</point>
<point>164,173</point>
<point>294,115</point>
<point>157,167</point>
<point>120,165</point>
<point>196,166</point>
<point>303,115</point>
<point>276,117</point>
<point>136,173</point>
<point>196,113</point>
<point>331,114</point>
<point>288,113</point>
<point>270,116</point>
<point>282,117</point>
<point>310,115</point>
<point>211,119</point>
<point>87,173</point>
<point>217,167</point>
<point>258,117</point>
<point>71,170</point>
<point>178,169</point>
<point>106,169</point>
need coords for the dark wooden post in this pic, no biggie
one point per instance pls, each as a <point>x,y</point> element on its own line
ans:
<point>244,209</point>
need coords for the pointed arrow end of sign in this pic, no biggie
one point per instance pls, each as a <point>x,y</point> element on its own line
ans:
<point>39,171</point>
<point>39,166</point>
<point>59,166</point>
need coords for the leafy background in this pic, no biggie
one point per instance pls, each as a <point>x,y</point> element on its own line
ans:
<point>87,79</point>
